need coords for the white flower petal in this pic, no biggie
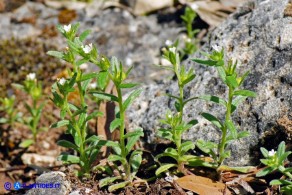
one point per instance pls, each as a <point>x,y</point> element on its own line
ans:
<point>168,43</point>
<point>67,28</point>
<point>62,81</point>
<point>272,152</point>
<point>216,47</point>
<point>87,48</point>
<point>31,76</point>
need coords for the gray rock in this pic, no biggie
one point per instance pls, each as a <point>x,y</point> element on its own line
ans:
<point>58,179</point>
<point>258,36</point>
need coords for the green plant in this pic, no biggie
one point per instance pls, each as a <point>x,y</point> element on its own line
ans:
<point>77,117</point>
<point>189,40</point>
<point>33,88</point>
<point>275,161</point>
<point>130,160</point>
<point>233,81</point>
<point>175,121</point>
<point>8,106</point>
<point>74,115</point>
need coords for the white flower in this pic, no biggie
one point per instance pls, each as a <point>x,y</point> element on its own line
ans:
<point>194,6</point>
<point>87,48</point>
<point>102,59</point>
<point>67,28</point>
<point>272,152</point>
<point>172,49</point>
<point>217,48</point>
<point>128,61</point>
<point>168,42</point>
<point>92,85</point>
<point>62,81</point>
<point>83,66</point>
<point>30,76</point>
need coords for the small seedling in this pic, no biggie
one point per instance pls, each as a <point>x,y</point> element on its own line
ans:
<point>189,40</point>
<point>275,161</point>
<point>175,121</point>
<point>33,88</point>
<point>233,81</point>
<point>7,105</point>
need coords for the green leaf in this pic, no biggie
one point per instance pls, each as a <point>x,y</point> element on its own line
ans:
<point>106,181</point>
<point>131,98</point>
<point>82,61</point>
<point>283,157</point>
<point>115,124</point>
<point>168,152</point>
<point>222,73</point>
<point>231,81</point>
<point>189,79</point>
<point>114,157</point>
<point>164,168</point>
<point>164,133</point>
<point>246,93</point>
<point>193,122</point>
<point>104,96</point>
<point>280,182</point>
<point>84,34</point>
<point>118,186</point>
<point>88,76</point>
<point>134,138</point>
<point>186,146</point>
<point>94,115</point>
<point>26,143</point>
<point>68,144</point>
<point>102,79</point>
<point>56,54</point>
<point>205,62</point>
<point>60,124</point>
<point>69,158</point>
<point>207,147</point>
<point>265,171</point>
<point>128,85</point>
<point>135,160</point>
<point>116,146</point>
<point>243,134</point>
<point>133,134</point>
<point>281,149</point>
<point>212,119</point>
<point>236,101</point>
<point>214,99</point>
<point>232,128</point>
<point>177,106</point>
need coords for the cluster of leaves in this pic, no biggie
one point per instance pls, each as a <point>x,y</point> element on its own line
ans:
<point>8,106</point>
<point>33,88</point>
<point>177,126</point>
<point>275,161</point>
<point>75,117</point>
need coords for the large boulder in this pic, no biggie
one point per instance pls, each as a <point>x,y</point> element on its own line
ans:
<point>259,36</point>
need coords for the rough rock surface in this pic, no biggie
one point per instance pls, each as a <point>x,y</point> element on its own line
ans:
<point>54,178</point>
<point>259,35</point>
<point>134,40</point>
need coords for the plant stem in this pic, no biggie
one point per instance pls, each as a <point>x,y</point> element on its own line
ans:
<point>122,133</point>
<point>224,130</point>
